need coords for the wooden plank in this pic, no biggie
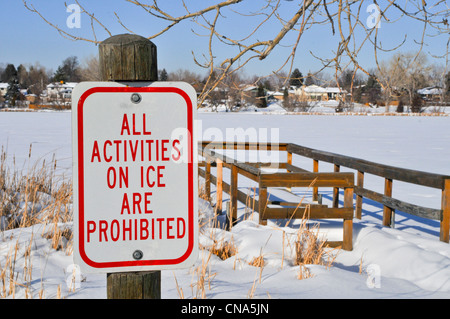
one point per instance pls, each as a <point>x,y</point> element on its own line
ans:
<point>337,169</point>
<point>445,220</point>
<point>359,198</point>
<point>208,180</point>
<point>244,145</point>
<point>253,177</point>
<point>292,168</point>
<point>424,212</point>
<point>307,179</point>
<point>219,187</point>
<point>310,212</point>
<point>347,243</point>
<point>390,172</point>
<point>262,205</point>
<point>293,204</point>
<point>387,210</point>
<point>315,195</point>
<point>289,158</point>
<point>233,196</point>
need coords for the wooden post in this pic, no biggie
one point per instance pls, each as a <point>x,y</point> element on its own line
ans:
<point>315,197</point>
<point>289,161</point>
<point>360,183</point>
<point>208,179</point>
<point>233,195</point>
<point>445,221</point>
<point>262,201</point>
<point>347,243</point>
<point>289,158</point>
<point>387,211</point>
<point>128,57</point>
<point>219,186</point>
<point>337,169</point>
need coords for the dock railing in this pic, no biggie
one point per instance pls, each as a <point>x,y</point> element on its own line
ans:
<point>294,176</point>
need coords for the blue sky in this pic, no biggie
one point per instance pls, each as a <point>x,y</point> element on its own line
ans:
<point>27,39</point>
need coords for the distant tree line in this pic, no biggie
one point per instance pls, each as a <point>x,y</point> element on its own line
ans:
<point>396,79</point>
<point>35,77</point>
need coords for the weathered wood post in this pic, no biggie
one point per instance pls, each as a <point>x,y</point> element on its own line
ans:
<point>219,187</point>
<point>208,179</point>
<point>359,198</point>
<point>347,243</point>
<point>315,195</point>
<point>388,213</point>
<point>233,196</point>
<point>130,58</point>
<point>445,221</point>
<point>337,169</point>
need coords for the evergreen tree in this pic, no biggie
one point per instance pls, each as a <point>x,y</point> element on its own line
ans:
<point>286,102</point>
<point>296,78</point>
<point>261,100</point>
<point>60,75</point>
<point>163,76</point>
<point>309,79</point>
<point>68,71</point>
<point>13,93</point>
<point>9,74</point>
<point>372,89</point>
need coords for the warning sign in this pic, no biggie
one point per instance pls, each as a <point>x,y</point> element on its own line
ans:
<point>135,180</point>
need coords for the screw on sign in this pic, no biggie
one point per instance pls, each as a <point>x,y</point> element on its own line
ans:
<point>133,149</point>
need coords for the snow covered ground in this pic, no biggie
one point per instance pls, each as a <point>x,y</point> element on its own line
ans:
<point>407,261</point>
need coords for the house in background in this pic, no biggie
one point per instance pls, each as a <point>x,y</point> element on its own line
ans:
<point>431,93</point>
<point>3,88</point>
<point>64,90</point>
<point>318,93</point>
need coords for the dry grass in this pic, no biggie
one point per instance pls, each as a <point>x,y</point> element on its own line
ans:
<point>311,250</point>
<point>35,195</point>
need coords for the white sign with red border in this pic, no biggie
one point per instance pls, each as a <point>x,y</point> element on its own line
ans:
<point>135,180</point>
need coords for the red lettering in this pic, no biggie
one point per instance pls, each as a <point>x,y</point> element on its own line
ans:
<point>164,150</point>
<point>133,151</point>
<point>147,202</point>
<point>160,220</point>
<point>103,225</point>
<point>177,157</point>
<point>125,204</point>
<point>136,202</point>
<point>169,228</point>
<point>134,126</point>
<point>127,229</point>
<point>90,229</point>
<point>144,229</point>
<point>95,152</point>
<point>145,132</point>
<point>111,177</point>
<point>115,222</point>
<point>160,176</point>
<point>125,125</point>
<point>117,142</point>
<point>111,180</point>
<point>181,225</point>
<point>123,177</point>
<point>107,159</point>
